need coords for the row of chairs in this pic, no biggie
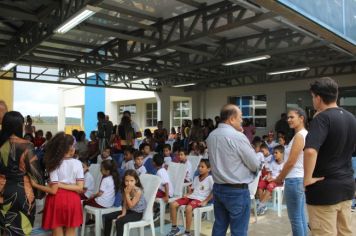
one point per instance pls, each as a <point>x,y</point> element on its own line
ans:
<point>176,173</point>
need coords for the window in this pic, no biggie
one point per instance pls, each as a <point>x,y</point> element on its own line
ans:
<point>151,114</point>
<point>253,108</point>
<point>181,111</point>
<point>131,108</point>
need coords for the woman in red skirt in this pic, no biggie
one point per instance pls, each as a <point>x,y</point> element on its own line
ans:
<point>63,210</point>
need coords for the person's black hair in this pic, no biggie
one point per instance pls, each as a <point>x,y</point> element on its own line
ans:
<point>137,154</point>
<point>326,88</point>
<point>167,146</point>
<point>111,166</point>
<point>196,122</point>
<point>264,136</point>
<point>158,160</point>
<point>143,145</point>
<point>127,112</point>
<point>130,150</point>
<point>256,138</point>
<point>256,143</point>
<point>300,112</point>
<point>183,150</point>
<point>228,111</point>
<point>147,133</point>
<point>279,148</point>
<point>30,137</point>
<point>206,162</point>
<point>84,161</point>
<point>12,124</point>
<point>101,115</point>
<point>55,150</point>
<point>264,145</point>
<point>75,133</point>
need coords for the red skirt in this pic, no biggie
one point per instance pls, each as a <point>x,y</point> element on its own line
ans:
<point>63,209</point>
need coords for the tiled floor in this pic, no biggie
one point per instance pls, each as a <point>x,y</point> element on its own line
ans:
<point>267,225</point>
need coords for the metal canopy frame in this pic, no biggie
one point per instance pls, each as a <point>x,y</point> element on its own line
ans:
<point>187,48</point>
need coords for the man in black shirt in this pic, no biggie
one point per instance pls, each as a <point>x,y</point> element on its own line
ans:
<point>328,174</point>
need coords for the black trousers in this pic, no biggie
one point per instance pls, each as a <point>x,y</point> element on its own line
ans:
<point>130,216</point>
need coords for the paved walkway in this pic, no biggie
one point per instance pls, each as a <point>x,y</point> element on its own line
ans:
<point>267,225</point>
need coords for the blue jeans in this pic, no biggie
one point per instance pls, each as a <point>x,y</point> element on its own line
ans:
<point>231,207</point>
<point>295,200</point>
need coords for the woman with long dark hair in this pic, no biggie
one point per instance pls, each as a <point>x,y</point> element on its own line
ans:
<point>293,172</point>
<point>17,164</point>
<point>126,133</point>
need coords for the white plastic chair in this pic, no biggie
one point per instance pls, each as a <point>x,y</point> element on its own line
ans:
<point>194,161</point>
<point>197,215</point>
<point>252,187</point>
<point>277,198</point>
<point>98,216</point>
<point>176,173</point>
<point>150,185</point>
<point>94,170</point>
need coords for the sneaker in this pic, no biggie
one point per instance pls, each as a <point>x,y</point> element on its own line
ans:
<point>187,234</point>
<point>156,216</point>
<point>262,210</point>
<point>174,231</point>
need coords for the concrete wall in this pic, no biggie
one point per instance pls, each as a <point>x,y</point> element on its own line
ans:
<point>7,92</point>
<point>276,97</point>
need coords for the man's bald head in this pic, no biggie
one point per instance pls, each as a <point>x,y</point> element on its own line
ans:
<point>227,111</point>
<point>3,109</point>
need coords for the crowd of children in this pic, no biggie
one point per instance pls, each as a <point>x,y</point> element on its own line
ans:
<point>66,178</point>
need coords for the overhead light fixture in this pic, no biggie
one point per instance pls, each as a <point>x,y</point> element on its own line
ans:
<point>250,59</point>
<point>288,71</point>
<point>183,85</point>
<point>8,66</point>
<point>76,19</point>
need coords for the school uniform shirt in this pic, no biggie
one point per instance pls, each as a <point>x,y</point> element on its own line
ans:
<point>167,160</point>
<point>275,168</point>
<point>100,159</point>
<point>128,165</point>
<point>202,189</point>
<point>107,187</point>
<point>69,172</point>
<point>140,170</point>
<point>260,157</point>
<point>268,160</point>
<point>89,184</point>
<point>163,174</point>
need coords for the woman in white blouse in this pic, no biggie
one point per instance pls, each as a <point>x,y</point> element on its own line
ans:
<point>293,173</point>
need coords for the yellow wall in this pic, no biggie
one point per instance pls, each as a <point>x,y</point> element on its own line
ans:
<point>7,93</point>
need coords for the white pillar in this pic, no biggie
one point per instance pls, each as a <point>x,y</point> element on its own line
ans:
<point>61,111</point>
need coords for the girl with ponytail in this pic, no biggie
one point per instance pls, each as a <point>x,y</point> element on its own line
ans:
<point>109,186</point>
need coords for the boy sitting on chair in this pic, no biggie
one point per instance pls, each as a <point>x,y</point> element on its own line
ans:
<point>199,195</point>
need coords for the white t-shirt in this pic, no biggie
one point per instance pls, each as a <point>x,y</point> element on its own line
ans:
<point>107,187</point>
<point>202,189</point>
<point>100,159</point>
<point>135,126</point>
<point>167,160</point>
<point>275,168</point>
<point>272,144</point>
<point>69,172</point>
<point>298,169</point>
<point>162,172</point>
<point>140,170</point>
<point>267,160</point>
<point>89,184</point>
<point>261,157</point>
<point>128,165</point>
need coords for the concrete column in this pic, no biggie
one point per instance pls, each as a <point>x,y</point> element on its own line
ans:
<point>61,111</point>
